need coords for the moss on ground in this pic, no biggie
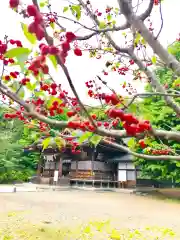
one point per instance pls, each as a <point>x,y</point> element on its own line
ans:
<point>19,230</point>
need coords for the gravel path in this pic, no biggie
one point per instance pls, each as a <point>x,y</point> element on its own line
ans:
<point>74,207</point>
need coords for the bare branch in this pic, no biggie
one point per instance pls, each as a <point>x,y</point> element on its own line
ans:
<point>147,94</point>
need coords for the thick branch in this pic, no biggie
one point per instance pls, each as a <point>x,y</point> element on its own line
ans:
<point>135,22</point>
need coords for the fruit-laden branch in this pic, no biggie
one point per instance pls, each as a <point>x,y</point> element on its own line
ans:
<point>169,135</point>
<point>139,155</point>
<point>50,42</point>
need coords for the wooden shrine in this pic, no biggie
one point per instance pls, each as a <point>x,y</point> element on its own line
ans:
<point>102,166</point>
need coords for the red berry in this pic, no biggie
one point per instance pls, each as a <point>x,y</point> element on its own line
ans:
<point>12,41</point>
<point>11,60</point>
<point>32,27</point>
<point>3,48</point>
<point>106,124</point>
<point>32,10</point>
<point>65,46</point>
<point>18,43</point>
<point>70,36</point>
<point>53,85</point>
<point>53,50</point>
<point>54,92</point>
<point>77,52</point>
<point>44,49</point>
<point>71,113</point>
<point>40,33</point>
<point>14,3</point>
<point>142,143</point>
<point>45,69</point>
<point>94,116</point>
<point>12,74</point>
<point>45,87</point>
<point>7,77</point>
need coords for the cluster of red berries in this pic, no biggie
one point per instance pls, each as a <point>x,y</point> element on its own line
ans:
<point>24,81</point>
<point>39,64</point>
<point>123,70</point>
<point>18,43</point>
<point>45,49</point>
<point>56,107</point>
<point>13,3</point>
<point>18,115</point>
<point>111,98</point>
<point>37,26</point>
<point>3,48</point>
<point>6,61</point>
<point>159,152</point>
<point>84,126</point>
<point>43,126</point>
<point>51,89</point>
<point>131,124</point>
<point>11,75</point>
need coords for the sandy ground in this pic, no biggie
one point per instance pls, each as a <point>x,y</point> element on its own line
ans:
<point>76,207</point>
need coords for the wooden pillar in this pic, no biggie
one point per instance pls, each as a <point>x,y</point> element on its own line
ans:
<point>93,159</point>
<point>76,168</point>
<point>60,167</point>
<point>39,166</point>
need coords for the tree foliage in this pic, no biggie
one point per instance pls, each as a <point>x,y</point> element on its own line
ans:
<point>15,164</point>
<point>163,117</point>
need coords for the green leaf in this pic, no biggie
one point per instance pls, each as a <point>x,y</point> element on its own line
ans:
<point>65,9</point>
<point>31,86</point>
<point>176,82</point>
<point>20,61</point>
<point>60,142</point>
<point>109,17</point>
<point>46,143</point>
<point>102,25</point>
<point>76,10</point>
<point>52,58</point>
<point>17,52</point>
<point>30,37</point>
<point>137,39</point>
<point>21,92</point>
<point>39,94</point>
<point>131,143</point>
<point>43,4</point>
<point>52,24</point>
<point>95,139</point>
<point>154,59</point>
<point>84,137</point>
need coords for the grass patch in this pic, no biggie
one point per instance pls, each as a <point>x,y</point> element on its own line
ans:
<point>93,230</point>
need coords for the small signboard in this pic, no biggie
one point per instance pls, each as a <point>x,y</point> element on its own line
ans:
<point>56,175</point>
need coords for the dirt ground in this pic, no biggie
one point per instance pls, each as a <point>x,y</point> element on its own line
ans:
<point>76,207</point>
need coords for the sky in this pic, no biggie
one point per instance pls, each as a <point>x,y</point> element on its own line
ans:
<point>83,68</point>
